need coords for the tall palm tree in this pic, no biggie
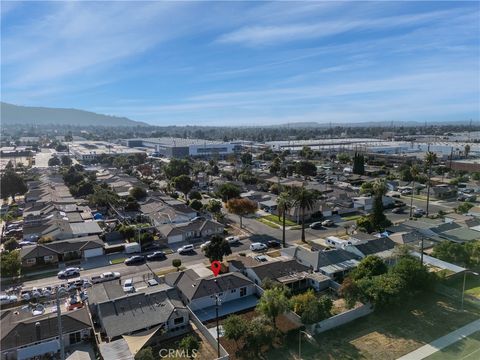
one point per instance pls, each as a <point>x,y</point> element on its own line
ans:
<point>305,200</point>
<point>414,172</point>
<point>284,203</point>
<point>430,159</point>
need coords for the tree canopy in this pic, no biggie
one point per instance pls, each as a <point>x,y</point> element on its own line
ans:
<point>12,184</point>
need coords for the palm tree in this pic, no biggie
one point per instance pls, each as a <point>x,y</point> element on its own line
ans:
<point>414,172</point>
<point>284,203</point>
<point>305,200</point>
<point>430,158</point>
<point>467,150</point>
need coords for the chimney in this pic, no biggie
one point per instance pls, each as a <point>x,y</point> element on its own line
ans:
<point>38,331</point>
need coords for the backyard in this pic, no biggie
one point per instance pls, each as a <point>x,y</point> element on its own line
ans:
<point>383,335</point>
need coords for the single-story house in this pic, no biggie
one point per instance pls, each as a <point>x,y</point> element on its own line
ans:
<point>234,291</point>
<point>200,228</point>
<point>382,247</point>
<point>156,313</point>
<point>25,336</point>
<point>332,263</point>
<point>62,250</point>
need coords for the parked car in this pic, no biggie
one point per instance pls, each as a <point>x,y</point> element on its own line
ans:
<point>152,282</point>
<point>128,286</point>
<point>328,223</point>
<point>257,246</point>
<point>232,240</point>
<point>8,299</point>
<point>261,258</point>
<point>418,212</point>
<point>397,210</point>
<point>68,273</point>
<point>406,192</point>
<point>316,225</point>
<point>185,249</point>
<point>273,244</point>
<point>106,276</point>
<point>157,255</point>
<point>205,244</point>
<point>136,259</point>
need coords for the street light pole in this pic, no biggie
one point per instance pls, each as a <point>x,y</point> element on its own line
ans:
<point>300,342</point>
<point>218,332</point>
<point>60,330</point>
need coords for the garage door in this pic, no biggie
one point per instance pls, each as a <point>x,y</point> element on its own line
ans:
<point>92,252</point>
<point>175,239</point>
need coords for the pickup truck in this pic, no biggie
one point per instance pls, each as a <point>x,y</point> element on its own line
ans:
<point>106,276</point>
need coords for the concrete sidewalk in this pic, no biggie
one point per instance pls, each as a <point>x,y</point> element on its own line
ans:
<point>442,342</point>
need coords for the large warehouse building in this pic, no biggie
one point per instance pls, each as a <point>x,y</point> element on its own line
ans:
<point>179,148</point>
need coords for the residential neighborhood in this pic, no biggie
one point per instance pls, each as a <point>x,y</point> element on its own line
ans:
<point>240,180</point>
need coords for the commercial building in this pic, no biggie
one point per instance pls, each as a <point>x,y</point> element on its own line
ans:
<point>179,148</point>
<point>89,150</point>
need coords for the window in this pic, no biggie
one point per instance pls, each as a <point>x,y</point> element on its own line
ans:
<point>234,290</point>
<point>243,291</point>
<point>178,321</point>
<point>31,261</point>
<point>48,257</point>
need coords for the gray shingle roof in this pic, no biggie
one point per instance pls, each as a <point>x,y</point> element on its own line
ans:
<point>375,246</point>
<point>277,269</point>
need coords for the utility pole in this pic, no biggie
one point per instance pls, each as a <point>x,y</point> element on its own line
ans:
<point>60,330</point>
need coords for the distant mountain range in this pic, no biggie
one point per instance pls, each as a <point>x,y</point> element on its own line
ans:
<point>21,115</point>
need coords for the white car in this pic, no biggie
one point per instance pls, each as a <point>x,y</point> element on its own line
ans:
<point>8,299</point>
<point>233,240</point>
<point>185,249</point>
<point>258,246</point>
<point>327,223</point>
<point>128,286</point>
<point>205,244</point>
<point>69,272</point>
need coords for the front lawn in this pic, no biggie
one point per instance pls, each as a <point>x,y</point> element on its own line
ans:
<point>351,218</point>
<point>383,335</point>
<point>117,261</point>
<point>268,223</point>
<point>274,218</point>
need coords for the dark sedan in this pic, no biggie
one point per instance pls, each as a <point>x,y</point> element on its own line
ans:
<point>157,255</point>
<point>133,260</point>
<point>273,244</point>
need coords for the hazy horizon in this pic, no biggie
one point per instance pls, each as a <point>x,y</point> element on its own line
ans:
<point>244,63</point>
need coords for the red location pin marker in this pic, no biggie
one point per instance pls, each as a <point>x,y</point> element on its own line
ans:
<point>216,267</point>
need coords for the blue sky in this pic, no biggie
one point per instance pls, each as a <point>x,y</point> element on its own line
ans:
<point>246,63</point>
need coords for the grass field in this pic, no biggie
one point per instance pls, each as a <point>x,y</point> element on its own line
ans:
<point>383,335</point>
<point>268,223</point>
<point>274,219</point>
<point>472,284</point>
<point>351,218</point>
<point>465,349</point>
<point>117,261</point>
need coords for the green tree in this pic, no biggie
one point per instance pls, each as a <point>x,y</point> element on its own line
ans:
<point>464,207</point>
<point>377,217</point>
<point>241,207</point>
<point>145,354</point>
<point>214,206</point>
<point>246,159</point>
<point>103,196</point>
<point>228,191</point>
<point>366,187</point>
<point>189,344</point>
<point>305,169</point>
<point>54,161</point>
<point>466,150</point>
<point>128,232</point>
<point>275,166</point>
<point>196,205</point>
<point>343,158</point>
<point>368,267</point>
<point>358,164</point>
<point>12,184</point>
<point>258,335</point>
<point>284,204</point>
<point>195,195</point>
<point>305,200</point>
<point>177,263</point>
<point>184,184</point>
<point>317,310</point>
<point>350,291</point>
<point>272,304</point>
<point>11,244</point>
<point>306,152</point>
<point>235,327</point>
<point>138,193</point>
<point>176,168</point>
<point>217,249</point>
<point>451,252</point>
<point>430,159</point>
<point>414,274</point>
<point>66,161</point>
<point>300,302</point>
<point>10,263</point>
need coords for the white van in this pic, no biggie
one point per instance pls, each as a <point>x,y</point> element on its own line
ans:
<point>185,249</point>
<point>132,248</point>
<point>337,242</point>
<point>257,246</point>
